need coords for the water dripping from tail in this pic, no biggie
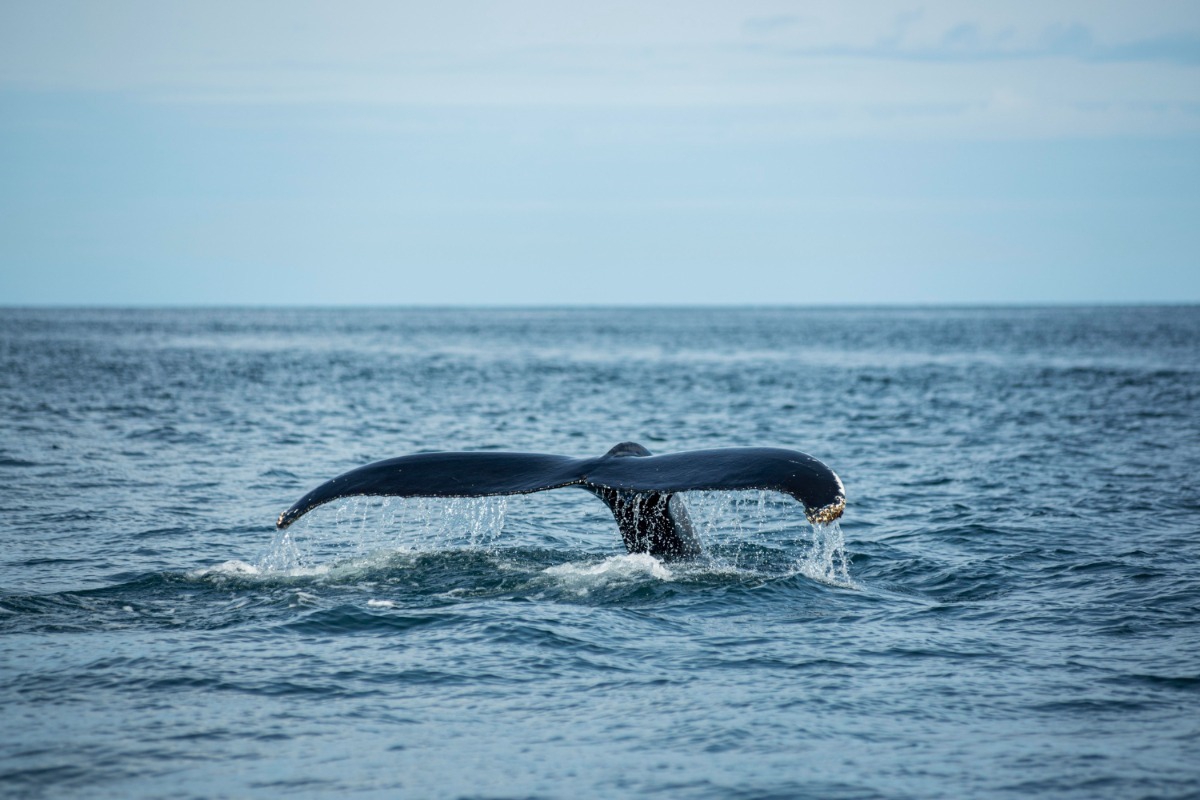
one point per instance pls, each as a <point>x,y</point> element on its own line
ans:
<point>826,560</point>
<point>364,527</point>
<point>752,533</point>
<point>745,531</point>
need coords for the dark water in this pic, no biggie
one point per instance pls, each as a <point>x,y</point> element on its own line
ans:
<point>1017,612</point>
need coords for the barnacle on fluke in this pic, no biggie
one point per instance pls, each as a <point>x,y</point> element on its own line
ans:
<point>828,513</point>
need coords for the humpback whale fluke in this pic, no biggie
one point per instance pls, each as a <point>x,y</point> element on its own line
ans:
<point>637,486</point>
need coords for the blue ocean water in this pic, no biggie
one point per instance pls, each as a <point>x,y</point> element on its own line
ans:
<point>1010,606</point>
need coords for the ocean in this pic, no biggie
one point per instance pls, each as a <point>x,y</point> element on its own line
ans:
<point>1010,606</point>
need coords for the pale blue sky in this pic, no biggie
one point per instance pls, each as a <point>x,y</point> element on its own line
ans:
<point>599,153</point>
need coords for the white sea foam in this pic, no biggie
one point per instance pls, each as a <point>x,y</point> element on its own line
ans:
<point>242,570</point>
<point>584,577</point>
<point>231,568</point>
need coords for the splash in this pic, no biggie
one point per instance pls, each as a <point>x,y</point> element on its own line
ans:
<point>359,529</point>
<point>236,571</point>
<point>826,560</point>
<point>231,568</point>
<point>583,578</point>
<point>282,556</point>
<point>747,533</point>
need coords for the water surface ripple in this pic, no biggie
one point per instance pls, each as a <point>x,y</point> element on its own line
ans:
<point>1010,606</point>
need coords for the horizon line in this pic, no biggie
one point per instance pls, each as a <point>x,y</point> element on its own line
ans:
<point>418,306</point>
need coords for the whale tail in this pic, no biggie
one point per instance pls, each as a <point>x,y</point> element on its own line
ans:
<point>652,522</point>
<point>638,487</point>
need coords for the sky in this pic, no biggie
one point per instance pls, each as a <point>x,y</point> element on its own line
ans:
<point>570,153</point>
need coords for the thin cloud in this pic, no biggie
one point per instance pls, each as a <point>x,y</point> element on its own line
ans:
<point>966,42</point>
<point>1171,49</point>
